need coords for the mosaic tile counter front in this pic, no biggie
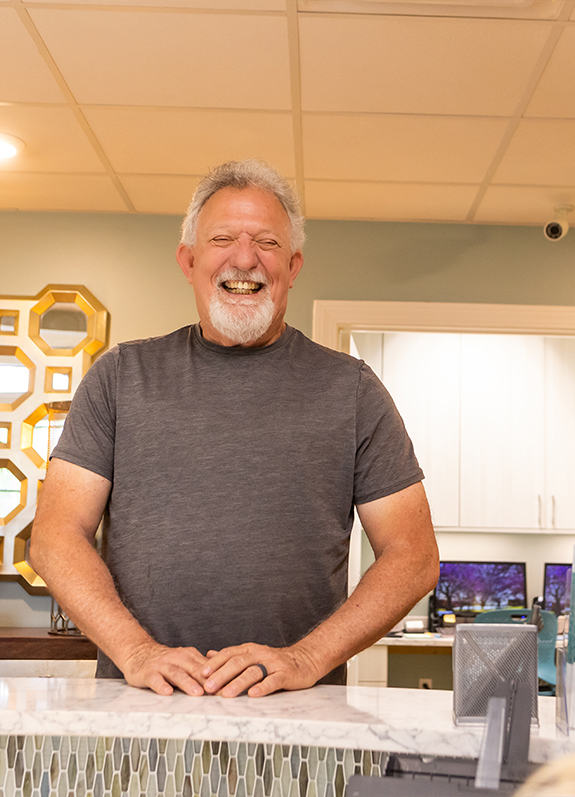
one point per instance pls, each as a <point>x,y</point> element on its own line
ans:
<point>78,737</point>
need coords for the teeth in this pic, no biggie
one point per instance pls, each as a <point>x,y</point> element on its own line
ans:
<point>235,286</point>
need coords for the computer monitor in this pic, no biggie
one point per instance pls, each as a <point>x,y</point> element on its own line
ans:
<point>465,589</point>
<point>556,587</point>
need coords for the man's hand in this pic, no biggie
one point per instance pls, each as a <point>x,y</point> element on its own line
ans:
<point>161,668</point>
<point>233,671</point>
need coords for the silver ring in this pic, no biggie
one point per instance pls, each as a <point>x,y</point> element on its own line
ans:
<point>263,669</point>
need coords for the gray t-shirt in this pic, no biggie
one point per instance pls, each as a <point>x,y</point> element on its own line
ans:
<point>235,472</point>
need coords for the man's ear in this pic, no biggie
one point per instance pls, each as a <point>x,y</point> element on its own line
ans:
<point>185,260</point>
<point>295,265</point>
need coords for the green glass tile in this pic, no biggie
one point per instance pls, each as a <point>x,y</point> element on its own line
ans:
<point>72,770</point>
<point>304,752</point>
<point>171,753</point>
<point>295,761</point>
<point>100,754</point>
<point>277,759</point>
<point>135,755</point>
<point>339,753</point>
<point>205,786</point>
<point>56,742</point>
<point>188,756</point>
<point>268,777</point>
<point>251,749</point>
<point>258,788</point>
<point>348,764</point>
<point>125,771</point>
<point>162,743</point>
<point>286,778</point>
<point>3,742</point>
<point>9,784</point>
<point>215,774</point>
<point>215,746</point>
<point>339,781</point>
<point>54,769</point>
<point>108,770</point>
<point>179,772</point>
<point>277,788</point>
<point>241,788</point>
<point>74,743</point>
<point>259,758</point>
<point>80,790</point>
<point>197,774</point>
<point>28,751</point>
<point>117,754</point>
<point>187,791</point>
<point>27,787</point>
<point>116,785</point>
<point>206,757</point>
<point>170,787</point>
<point>198,745</point>
<point>366,763</point>
<point>233,748</point>
<point>294,789</point>
<point>82,752</point>
<point>126,744</point>
<point>303,779</point>
<point>312,789</point>
<point>109,742</point>
<point>144,744</point>
<point>144,772</point>
<point>329,790</point>
<point>312,761</point>
<point>3,765</point>
<point>92,741</point>
<point>232,776</point>
<point>321,778</point>
<point>223,791</point>
<point>19,768</point>
<point>64,751</point>
<point>90,770</point>
<point>36,770</point>
<point>250,775</point>
<point>152,789</point>
<point>20,742</point>
<point>63,784</point>
<point>38,742</point>
<point>357,756</point>
<point>11,750</point>
<point>330,765</point>
<point>161,772</point>
<point>242,758</point>
<point>322,753</point>
<point>224,757</point>
<point>134,788</point>
<point>153,755</point>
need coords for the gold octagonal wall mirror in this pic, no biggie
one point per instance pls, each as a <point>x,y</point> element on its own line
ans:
<point>17,373</point>
<point>29,579</point>
<point>41,431</point>
<point>13,491</point>
<point>67,320</point>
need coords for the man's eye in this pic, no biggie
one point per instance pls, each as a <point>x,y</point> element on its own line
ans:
<point>222,240</point>
<point>267,243</point>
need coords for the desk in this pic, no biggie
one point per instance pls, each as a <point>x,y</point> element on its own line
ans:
<point>104,736</point>
<point>371,667</point>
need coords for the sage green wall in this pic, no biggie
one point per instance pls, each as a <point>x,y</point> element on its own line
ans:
<point>128,264</point>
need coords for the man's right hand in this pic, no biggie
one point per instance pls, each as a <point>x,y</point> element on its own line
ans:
<point>161,668</point>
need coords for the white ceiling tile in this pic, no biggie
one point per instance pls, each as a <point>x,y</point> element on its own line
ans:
<point>24,76</point>
<point>54,140</point>
<point>387,201</point>
<point>160,194</point>
<point>59,192</point>
<point>173,141</point>
<point>399,148</point>
<point>147,57</point>
<point>417,65</point>
<point>540,152</point>
<point>523,204</point>
<point>555,92</point>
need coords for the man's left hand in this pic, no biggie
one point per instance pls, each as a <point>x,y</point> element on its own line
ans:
<point>233,671</point>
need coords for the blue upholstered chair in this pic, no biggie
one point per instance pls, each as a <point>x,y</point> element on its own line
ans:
<point>546,639</point>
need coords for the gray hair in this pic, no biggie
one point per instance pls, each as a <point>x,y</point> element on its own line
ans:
<point>242,174</point>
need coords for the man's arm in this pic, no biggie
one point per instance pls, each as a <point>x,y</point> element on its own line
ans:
<point>401,534</point>
<point>62,552</point>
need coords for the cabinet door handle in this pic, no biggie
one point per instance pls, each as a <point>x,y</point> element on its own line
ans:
<point>539,511</point>
<point>553,511</point>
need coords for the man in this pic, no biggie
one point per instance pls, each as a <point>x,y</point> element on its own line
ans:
<point>226,459</point>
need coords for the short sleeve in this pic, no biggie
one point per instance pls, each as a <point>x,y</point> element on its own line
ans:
<point>89,431</point>
<point>385,461</point>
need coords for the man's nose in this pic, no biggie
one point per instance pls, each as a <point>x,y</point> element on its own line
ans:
<point>245,255</point>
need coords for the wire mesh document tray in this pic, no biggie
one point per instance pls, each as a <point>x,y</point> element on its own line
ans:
<point>484,656</point>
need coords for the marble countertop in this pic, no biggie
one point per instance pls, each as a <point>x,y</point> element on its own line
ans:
<point>356,717</point>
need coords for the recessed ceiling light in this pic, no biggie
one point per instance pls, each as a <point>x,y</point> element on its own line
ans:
<point>9,146</point>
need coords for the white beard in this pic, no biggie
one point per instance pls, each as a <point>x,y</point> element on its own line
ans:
<point>241,323</point>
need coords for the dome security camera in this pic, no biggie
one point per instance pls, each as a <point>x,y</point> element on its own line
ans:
<point>558,227</point>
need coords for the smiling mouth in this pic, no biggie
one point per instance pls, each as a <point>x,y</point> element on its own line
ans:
<point>245,287</point>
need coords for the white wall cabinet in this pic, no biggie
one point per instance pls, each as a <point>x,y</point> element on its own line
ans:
<point>492,418</point>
